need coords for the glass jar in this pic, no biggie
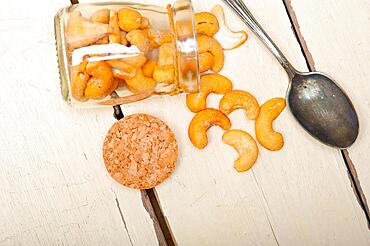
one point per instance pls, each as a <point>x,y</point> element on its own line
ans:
<point>118,52</point>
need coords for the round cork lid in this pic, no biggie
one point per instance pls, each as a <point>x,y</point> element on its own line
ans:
<point>140,151</point>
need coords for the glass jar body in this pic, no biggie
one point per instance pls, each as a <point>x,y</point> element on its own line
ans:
<point>114,53</point>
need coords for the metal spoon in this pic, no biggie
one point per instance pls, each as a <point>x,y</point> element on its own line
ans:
<point>316,101</point>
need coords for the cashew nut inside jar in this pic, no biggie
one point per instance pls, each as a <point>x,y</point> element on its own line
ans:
<point>118,53</point>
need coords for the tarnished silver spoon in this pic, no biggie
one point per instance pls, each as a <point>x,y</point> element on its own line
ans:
<point>315,100</point>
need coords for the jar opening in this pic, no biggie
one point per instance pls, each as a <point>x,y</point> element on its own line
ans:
<point>182,23</point>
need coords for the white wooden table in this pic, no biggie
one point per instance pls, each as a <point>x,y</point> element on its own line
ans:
<point>54,189</point>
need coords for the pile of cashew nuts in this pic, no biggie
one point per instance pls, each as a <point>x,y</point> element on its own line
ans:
<point>140,73</point>
<point>212,57</point>
<point>232,100</point>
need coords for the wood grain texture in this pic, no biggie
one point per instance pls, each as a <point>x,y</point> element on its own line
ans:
<point>300,195</point>
<point>54,189</point>
<point>338,36</point>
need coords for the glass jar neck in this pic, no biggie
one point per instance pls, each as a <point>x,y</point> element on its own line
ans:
<point>182,24</point>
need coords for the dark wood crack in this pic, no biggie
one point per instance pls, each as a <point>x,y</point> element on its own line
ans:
<point>123,219</point>
<point>149,199</point>
<point>356,185</point>
<point>151,204</point>
<point>351,169</point>
<point>163,233</point>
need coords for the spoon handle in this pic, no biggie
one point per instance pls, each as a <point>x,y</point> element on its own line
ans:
<point>242,11</point>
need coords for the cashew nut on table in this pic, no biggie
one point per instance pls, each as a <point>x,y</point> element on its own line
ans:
<point>211,57</point>
<point>239,99</point>
<point>265,134</point>
<point>206,61</point>
<point>245,145</point>
<point>202,121</point>
<point>209,83</point>
<point>206,23</point>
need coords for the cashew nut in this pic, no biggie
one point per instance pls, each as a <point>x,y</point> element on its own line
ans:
<point>206,61</point>
<point>100,80</point>
<point>245,145</point>
<point>148,68</point>
<point>159,37</point>
<point>211,45</point>
<point>140,83</point>
<point>152,44</point>
<point>123,38</point>
<point>166,55</point>
<point>144,23</point>
<point>136,61</point>
<point>129,19</point>
<point>164,74</point>
<point>265,134</point>
<point>101,15</point>
<point>215,83</point>
<point>184,29</point>
<point>187,64</point>
<point>79,79</point>
<point>209,83</point>
<point>206,23</point>
<point>121,82</point>
<point>114,31</point>
<point>202,121</point>
<point>122,69</point>
<point>103,40</point>
<point>83,32</point>
<point>228,38</point>
<point>196,102</point>
<point>140,39</point>
<point>92,80</point>
<point>165,71</point>
<point>113,87</point>
<point>239,99</point>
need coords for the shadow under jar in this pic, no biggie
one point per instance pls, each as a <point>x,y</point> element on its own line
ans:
<point>116,53</point>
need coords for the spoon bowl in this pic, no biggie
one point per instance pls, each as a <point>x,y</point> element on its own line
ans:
<point>323,109</point>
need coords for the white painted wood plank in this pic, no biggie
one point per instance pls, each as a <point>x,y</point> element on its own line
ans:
<point>299,196</point>
<point>338,36</point>
<point>54,189</point>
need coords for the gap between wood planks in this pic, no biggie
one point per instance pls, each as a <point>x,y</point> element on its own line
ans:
<point>152,205</point>
<point>351,169</point>
<point>150,201</point>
